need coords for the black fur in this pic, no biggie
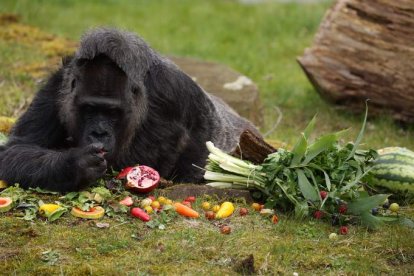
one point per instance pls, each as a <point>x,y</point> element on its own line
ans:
<point>165,120</point>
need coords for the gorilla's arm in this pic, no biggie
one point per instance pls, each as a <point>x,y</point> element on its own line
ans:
<point>35,155</point>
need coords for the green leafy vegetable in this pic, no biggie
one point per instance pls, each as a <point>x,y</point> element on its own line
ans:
<point>292,180</point>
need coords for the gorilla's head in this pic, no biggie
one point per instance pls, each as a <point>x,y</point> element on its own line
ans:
<point>101,105</point>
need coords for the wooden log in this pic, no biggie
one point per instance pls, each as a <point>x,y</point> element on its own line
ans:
<point>364,49</point>
<point>252,148</point>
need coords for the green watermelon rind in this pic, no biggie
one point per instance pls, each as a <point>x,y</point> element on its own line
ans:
<point>394,171</point>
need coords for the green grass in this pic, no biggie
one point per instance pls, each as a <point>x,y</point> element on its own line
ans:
<point>261,41</point>
<point>198,247</point>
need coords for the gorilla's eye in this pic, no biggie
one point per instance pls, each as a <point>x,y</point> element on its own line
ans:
<point>88,109</point>
<point>135,90</point>
<point>73,84</point>
<point>113,112</point>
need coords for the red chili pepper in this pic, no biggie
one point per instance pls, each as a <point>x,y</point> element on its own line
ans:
<point>123,173</point>
<point>187,203</point>
<point>141,214</point>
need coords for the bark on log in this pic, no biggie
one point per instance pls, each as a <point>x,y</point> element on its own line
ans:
<point>252,148</point>
<point>364,49</point>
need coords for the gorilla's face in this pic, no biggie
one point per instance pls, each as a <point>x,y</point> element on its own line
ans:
<point>101,95</point>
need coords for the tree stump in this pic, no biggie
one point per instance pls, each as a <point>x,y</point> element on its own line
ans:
<point>364,49</point>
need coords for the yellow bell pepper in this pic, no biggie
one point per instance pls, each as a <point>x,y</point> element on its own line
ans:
<point>226,209</point>
<point>47,210</point>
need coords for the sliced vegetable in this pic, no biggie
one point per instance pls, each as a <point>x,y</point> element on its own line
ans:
<point>185,210</point>
<point>47,210</point>
<point>6,203</point>
<point>141,214</point>
<point>96,212</point>
<point>142,179</point>
<point>127,201</point>
<point>226,210</point>
<point>3,184</point>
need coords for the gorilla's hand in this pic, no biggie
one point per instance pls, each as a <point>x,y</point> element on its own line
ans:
<point>90,163</point>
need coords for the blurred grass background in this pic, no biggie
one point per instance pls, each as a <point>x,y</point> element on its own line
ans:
<point>261,41</point>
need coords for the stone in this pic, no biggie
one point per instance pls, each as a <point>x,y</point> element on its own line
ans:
<point>236,90</point>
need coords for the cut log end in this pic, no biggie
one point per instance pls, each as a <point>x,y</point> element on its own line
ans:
<point>364,50</point>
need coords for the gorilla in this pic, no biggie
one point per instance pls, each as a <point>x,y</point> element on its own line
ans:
<point>116,103</point>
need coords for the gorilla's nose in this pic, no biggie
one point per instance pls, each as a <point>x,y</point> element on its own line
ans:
<point>99,134</point>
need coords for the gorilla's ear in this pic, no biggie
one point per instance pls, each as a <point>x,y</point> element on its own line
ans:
<point>66,60</point>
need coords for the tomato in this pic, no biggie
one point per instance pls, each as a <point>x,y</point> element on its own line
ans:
<point>210,215</point>
<point>225,229</point>
<point>394,207</point>
<point>243,212</point>
<point>256,206</point>
<point>148,209</point>
<point>155,205</point>
<point>190,199</point>
<point>205,205</point>
<point>162,200</point>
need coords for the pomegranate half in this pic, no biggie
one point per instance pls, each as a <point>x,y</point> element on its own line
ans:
<point>142,179</point>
